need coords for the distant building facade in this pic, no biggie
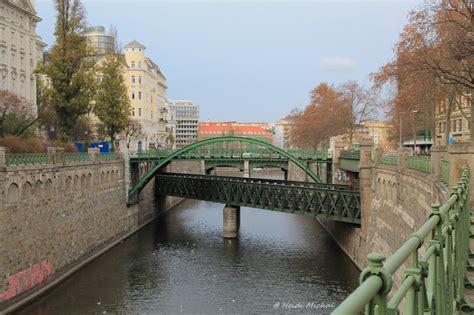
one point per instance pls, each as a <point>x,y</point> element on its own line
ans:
<point>20,48</point>
<point>186,121</point>
<point>171,125</point>
<point>283,133</point>
<point>378,130</point>
<point>259,131</point>
<point>99,41</point>
<point>459,130</point>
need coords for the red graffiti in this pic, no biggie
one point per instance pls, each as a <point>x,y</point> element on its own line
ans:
<point>26,279</point>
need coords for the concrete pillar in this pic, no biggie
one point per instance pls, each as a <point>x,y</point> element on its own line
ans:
<point>403,154</point>
<point>3,160</point>
<point>231,221</point>
<point>246,168</point>
<point>52,154</point>
<point>365,177</point>
<point>93,154</point>
<point>460,154</point>
<point>59,155</point>
<point>438,153</point>
<point>338,147</point>
<point>203,167</point>
<point>127,178</point>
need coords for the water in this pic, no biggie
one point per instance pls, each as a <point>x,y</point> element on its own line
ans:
<point>180,264</point>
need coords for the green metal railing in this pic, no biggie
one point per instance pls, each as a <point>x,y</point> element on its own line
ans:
<point>445,172</point>
<point>233,149</point>
<point>109,156</point>
<point>419,163</point>
<point>26,158</point>
<point>388,160</point>
<point>351,155</point>
<point>76,156</point>
<point>434,282</point>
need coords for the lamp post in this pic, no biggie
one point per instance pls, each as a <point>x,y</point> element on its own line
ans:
<point>51,135</point>
<point>85,141</point>
<point>414,131</point>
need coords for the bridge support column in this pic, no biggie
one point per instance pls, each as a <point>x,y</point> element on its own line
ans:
<point>246,169</point>
<point>231,221</point>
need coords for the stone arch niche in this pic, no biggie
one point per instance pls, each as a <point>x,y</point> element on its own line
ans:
<point>26,191</point>
<point>68,184</point>
<point>76,183</point>
<point>89,181</point>
<point>13,193</point>
<point>48,189</point>
<point>39,189</point>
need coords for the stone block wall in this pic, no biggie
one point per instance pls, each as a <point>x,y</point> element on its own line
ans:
<point>53,215</point>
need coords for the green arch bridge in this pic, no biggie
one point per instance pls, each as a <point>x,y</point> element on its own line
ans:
<point>317,199</point>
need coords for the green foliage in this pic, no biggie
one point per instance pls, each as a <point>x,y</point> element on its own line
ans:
<point>112,104</point>
<point>70,71</point>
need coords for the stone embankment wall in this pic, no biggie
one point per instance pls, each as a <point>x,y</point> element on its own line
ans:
<point>54,217</point>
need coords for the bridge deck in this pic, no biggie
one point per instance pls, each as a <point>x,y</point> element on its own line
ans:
<point>312,199</point>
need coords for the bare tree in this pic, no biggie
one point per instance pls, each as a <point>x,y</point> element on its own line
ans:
<point>132,132</point>
<point>360,103</point>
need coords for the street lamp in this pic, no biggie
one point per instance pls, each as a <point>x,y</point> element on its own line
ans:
<point>414,130</point>
<point>51,135</point>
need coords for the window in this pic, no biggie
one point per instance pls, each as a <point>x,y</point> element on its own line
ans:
<point>139,95</point>
<point>13,38</point>
<point>139,79</point>
<point>13,85</point>
<point>133,64</point>
<point>460,124</point>
<point>139,112</point>
<point>22,62</point>
<point>133,95</point>
<point>22,88</point>
<point>453,127</point>
<point>133,111</point>
<point>133,79</point>
<point>139,64</point>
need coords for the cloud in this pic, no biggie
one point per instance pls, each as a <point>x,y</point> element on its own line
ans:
<point>338,64</point>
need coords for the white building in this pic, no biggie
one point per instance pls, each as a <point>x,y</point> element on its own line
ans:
<point>171,125</point>
<point>187,121</point>
<point>20,48</point>
<point>282,133</point>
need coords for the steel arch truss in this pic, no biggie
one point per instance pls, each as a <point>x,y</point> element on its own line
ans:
<point>239,147</point>
<point>311,199</point>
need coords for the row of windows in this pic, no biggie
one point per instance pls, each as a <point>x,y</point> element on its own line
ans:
<point>139,79</point>
<point>15,18</point>
<point>456,126</point>
<point>12,87</point>
<point>13,60</point>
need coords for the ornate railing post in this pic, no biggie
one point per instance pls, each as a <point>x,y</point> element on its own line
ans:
<point>378,305</point>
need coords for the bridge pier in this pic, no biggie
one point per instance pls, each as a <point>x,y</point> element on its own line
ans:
<point>246,168</point>
<point>231,221</point>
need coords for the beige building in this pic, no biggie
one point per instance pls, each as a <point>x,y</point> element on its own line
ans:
<point>147,90</point>
<point>459,129</point>
<point>283,133</point>
<point>378,130</point>
<point>20,48</point>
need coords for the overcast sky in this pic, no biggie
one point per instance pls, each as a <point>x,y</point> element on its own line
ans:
<point>251,60</point>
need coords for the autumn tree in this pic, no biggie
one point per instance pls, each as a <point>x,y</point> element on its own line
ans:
<point>433,62</point>
<point>16,114</point>
<point>360,104</point>
<point>68,67</point>
<point>321,119</point>
<point>112,104</point>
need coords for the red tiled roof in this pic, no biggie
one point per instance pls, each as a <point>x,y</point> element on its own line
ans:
<point>226,127</point>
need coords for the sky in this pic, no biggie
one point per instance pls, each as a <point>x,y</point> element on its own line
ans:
<point>251,60</point>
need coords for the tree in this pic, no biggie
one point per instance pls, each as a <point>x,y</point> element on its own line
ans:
<point>69,69</point>
<point>321,119</point>
<point>132,131</point>
<point>16,115</point>
<point>360,104</point>
<point>112,104</point>
<point>437,46</point>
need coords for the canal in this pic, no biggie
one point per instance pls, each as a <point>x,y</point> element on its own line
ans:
<point>281,263</point>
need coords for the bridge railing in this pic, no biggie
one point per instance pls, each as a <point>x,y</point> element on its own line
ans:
<point>232,152</point>
<point>351,154</point>
<point>55,156</point>
<point>419,163</point>
<point>434,282</point>
<point>388,160</point>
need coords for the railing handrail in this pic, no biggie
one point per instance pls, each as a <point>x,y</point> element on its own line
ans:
<point>378,276</point>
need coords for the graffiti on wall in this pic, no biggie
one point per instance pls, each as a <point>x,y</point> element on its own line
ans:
<point>342,176</point>
<point>26,279</point>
